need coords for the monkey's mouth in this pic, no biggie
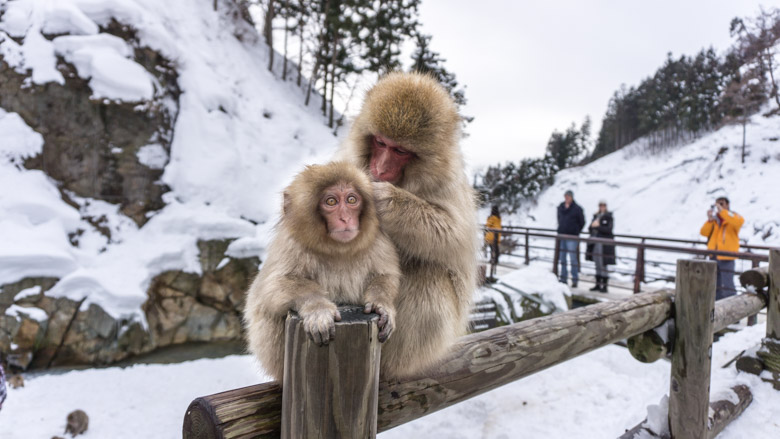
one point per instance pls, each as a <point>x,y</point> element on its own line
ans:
<point>345,235</point>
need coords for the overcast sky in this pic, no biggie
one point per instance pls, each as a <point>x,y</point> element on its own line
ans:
<point>534,66</point>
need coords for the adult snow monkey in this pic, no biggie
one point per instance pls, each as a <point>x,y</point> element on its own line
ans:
<point>328,250</point>
<point>406,137</point>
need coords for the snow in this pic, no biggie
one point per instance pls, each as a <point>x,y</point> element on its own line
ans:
<point>140,401</point>
<point>226,167</point>
<point>153,156</point>
<point>599,394</point>
<point>32,291</point>
<point>31,312</point>
<point>658,417</point>
<point>103,60</point>
<point>539,281</point>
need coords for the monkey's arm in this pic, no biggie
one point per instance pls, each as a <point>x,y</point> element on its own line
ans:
<point>319,313</point>
<point>379,298</point>
<point>419,228</point>
<point>308,299</point>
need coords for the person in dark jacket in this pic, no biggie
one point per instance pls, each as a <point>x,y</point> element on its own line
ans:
<point>602,255</point>
<point>570,222</point>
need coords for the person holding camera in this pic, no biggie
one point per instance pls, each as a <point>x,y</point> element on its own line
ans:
<point>722,232</point>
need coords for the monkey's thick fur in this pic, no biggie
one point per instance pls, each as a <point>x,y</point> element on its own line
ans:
<point>430,215</point>
<point>306,270</point>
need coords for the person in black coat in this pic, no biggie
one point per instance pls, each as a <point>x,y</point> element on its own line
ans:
<point>570,222</point>
<point>601,254</point>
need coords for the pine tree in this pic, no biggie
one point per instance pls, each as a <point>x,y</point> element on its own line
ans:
<point>427,61</point>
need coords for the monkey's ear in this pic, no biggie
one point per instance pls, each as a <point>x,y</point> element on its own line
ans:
<point>286,204</point>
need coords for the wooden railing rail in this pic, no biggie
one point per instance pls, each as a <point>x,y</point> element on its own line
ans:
<point>486,360</point>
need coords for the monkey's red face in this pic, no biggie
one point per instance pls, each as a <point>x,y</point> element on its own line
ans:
<point>340,207</point>
<point>388,159</point>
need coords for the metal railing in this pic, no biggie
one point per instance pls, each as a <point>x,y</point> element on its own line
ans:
<point>531,240</point>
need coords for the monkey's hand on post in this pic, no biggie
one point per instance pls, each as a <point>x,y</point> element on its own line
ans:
<point>319,319</point>
<point>386,322</point>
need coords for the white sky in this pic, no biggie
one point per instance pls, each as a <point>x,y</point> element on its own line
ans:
<point>534,66</point>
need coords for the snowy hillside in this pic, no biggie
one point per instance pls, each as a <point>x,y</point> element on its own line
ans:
<point>667,193</point>
<point>238,136</point>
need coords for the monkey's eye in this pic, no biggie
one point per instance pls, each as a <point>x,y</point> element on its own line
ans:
<point>352,199</point>
<point>331,201</point>
<point>379,142</point>
<point>401,152</point>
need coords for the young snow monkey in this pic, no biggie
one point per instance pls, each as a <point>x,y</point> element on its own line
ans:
<point>328,250</point>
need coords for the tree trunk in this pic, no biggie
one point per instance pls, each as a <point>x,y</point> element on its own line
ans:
<point>268,32</point>
<point>301,25</point>
<point>769,58</point>
<point>286,32</point>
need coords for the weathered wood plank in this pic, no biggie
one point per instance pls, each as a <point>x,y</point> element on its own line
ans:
<point>735,308</point>
<point>757,278</point>
<point>649,346</point>
<point>331,391</point>
<point>480,362</point>
<point>691,358</point>
<point>723,412</point>
<point>773,307</point>
<point>255,410</point>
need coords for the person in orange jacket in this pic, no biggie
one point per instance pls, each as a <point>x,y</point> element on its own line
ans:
<point>722,232</point>
<point>493,222</point>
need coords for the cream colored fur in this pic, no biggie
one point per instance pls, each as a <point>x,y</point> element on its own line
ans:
<point>311,273</point>
<point>430,216</point>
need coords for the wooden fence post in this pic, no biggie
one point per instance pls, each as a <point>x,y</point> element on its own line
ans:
<point>527,253</point>
<point>694,305</point>
<point>770,351</point>
<point>556,255</point>
<point>639,272</point>
<point>773,307</point>
<point>332,391</point>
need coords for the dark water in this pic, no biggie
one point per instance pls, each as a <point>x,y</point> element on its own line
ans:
<point>167,355</point>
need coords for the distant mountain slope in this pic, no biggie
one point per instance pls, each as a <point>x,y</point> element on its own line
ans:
<point>666,193</point>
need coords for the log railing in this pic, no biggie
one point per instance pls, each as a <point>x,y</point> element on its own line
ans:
<point>486,360</point>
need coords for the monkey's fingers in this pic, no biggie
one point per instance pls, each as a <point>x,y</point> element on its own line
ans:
<point>382,316</point>
<point>384,334</point>
<point>332,332</point>
<point>337,316</point>
<point>369,307</point>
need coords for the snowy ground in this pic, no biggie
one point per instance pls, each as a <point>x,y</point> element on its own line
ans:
<point>597,395</point>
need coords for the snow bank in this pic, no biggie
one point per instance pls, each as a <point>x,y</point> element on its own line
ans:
<point>668,193</point>
<point>104,60</point>
<point>240,135</point>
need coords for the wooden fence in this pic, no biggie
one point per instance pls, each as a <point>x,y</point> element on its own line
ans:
<point>321,396</point>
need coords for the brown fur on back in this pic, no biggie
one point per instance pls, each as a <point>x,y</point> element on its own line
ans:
<point>430,216</point>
